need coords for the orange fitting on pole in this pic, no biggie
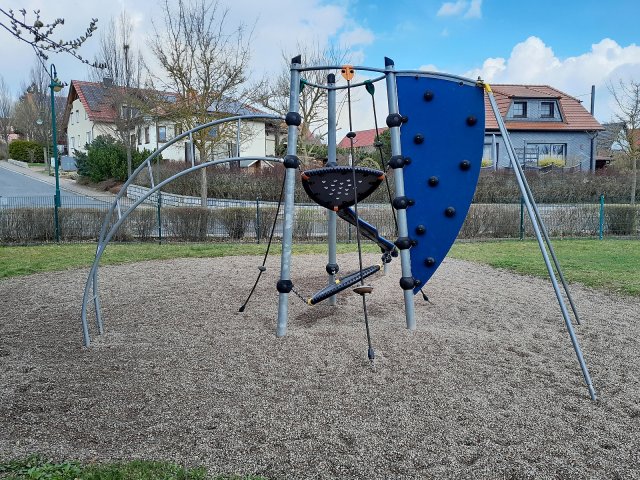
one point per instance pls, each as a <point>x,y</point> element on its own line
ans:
<point>348,72</point>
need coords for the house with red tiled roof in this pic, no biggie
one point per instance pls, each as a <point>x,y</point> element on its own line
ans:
<point>91,111</point>
<point>546,127</point>
<point>364,139</point>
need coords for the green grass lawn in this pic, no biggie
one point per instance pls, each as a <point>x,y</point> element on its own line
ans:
<point>612,265</point>
<point>49,258</point>
<point>37,467</point>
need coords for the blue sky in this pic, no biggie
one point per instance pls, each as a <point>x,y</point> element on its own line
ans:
<point>567,44</point>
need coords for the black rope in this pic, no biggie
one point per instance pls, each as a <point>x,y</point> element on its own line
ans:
<point>378,145</point>
<point>262,268</point>
<point>370,353</point>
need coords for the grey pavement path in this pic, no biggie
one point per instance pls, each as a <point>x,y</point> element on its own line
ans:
<point>14,183</point>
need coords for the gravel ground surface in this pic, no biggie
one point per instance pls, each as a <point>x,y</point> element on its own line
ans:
<point>487,387</point>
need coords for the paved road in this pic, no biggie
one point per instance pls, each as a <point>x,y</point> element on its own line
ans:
<point>22,189</point>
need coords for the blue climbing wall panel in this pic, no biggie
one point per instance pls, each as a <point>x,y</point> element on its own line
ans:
<point>444,137</point>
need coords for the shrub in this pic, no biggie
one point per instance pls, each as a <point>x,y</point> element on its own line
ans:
<point>304,222</point>
<point>265,223</point>
<point>546,161</point>
<point>187,223</point>
<point>235,220</point>
<point>106,158</point>
<point>621,219</point>
<point>26,151</point>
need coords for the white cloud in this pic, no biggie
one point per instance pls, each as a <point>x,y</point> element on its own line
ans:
<point>475,10</point>
<point>428,68</point>
<point>459,7</point>
<point>357,36</point>
<point>534,62</point>
<point>449,9</point>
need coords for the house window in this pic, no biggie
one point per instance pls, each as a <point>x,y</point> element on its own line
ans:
<point>520,109</point>
<point>146,134</point>
<point>129,112</point>
<point>132,139</point>
<point>77,116</point>
<point>162,134</point>
<point>549,152</point>
<point>487,157</point>
<point>547,110</point>
<point>88,137</point>
<point>138,134</point>
<point>73,142</point>
<point>86,115</point>
<point>231,149</point>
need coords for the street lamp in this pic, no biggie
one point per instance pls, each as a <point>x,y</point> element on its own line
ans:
<point>55,86</point>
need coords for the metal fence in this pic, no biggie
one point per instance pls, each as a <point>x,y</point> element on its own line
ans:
<point>31,220</point>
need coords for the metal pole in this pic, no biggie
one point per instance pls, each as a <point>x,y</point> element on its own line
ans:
<point>398,177</point>
<point>494,152</point>
<point>332,162</point>
<point>592,165</point>
<point>601,218</point>
<point>55,84</point>
<point>534,221</point>
<point>258,220</point>
<point>159,218</point>
<point>289,207</point>
<point>521,218</point>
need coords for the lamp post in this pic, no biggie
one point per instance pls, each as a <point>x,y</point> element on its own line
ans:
<point>55,86</point>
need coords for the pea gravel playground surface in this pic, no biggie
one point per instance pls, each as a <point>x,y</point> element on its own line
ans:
<point>487,387</point>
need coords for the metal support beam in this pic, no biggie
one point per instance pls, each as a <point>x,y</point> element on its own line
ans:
<point>536,222</point>
<point>398,177</point>
<point>332,162</point>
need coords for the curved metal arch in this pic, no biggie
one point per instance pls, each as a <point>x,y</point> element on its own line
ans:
<point>92,278</point>
<point>344,87</point>
<point>104,236</point>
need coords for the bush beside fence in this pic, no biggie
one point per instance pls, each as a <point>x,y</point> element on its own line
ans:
<point>252,221</point>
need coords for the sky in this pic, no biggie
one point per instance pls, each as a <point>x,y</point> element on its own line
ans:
<point>567,44</point>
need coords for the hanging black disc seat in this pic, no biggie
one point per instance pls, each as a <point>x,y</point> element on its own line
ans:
<point>333,188</point>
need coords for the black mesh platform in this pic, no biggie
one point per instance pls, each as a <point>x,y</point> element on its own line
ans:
<point>346,282</point>
<point>333,188</point>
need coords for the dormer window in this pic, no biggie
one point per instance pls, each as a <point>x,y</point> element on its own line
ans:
<point>520,109</point>
<point>547,109</point>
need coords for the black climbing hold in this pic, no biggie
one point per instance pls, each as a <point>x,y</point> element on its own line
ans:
<point>430,262</point>
<point>421,230</point>
<point>394,120</point>
<point>293,118</point>
<point>394,253</point>
<point>284,286</point>
<point>332,268</point>
<point>407,160</point>
<point>414,242</point>
<point>397,161</point>
<point>291,161</point>
<point>410,202</point>
<point>471,120</point>
<point>450,212</point>
<point>351,135</point>
<point>403,243</point>
<point>465,165</point>
<point>417,282</point>
<point>400,203</point>
<point>405,119</point>
<point>433,181</point>
<point>407,283</point>
<point>428,95</point>
<point>418,139</point>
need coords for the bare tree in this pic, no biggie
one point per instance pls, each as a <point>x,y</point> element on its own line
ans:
<point>33,31</point>
<point>32,112</point>
<point>627,98</point>
<point>124,64</point>
<point>7,103</point>
<point>313,101</point>
<point>205,61</point>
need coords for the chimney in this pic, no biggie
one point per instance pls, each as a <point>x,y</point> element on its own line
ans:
<point>107,82</point>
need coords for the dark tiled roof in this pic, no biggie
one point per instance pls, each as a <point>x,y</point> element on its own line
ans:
<point>574,116</point>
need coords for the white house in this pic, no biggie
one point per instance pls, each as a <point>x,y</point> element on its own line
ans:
<point>91,111</point>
